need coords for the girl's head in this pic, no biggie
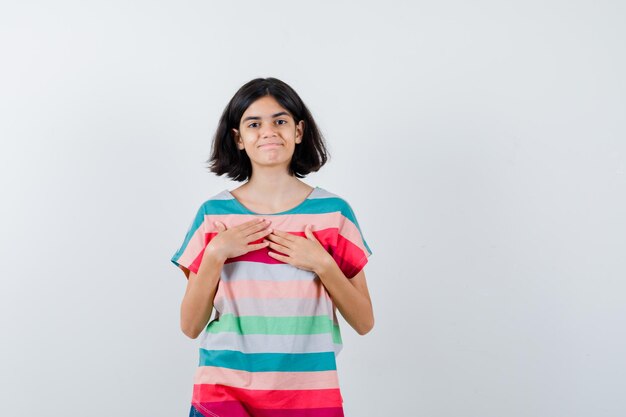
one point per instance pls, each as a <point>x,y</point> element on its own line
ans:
<point>266,111</point>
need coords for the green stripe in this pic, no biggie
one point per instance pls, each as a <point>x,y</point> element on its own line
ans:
<point>275,325</point>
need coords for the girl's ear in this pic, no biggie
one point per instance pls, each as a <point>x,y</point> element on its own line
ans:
<point>237,138</point>
<point>299,131</point>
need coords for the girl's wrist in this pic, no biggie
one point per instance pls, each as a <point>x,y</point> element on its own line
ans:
<point>325,266</point>
<point>214,255</point>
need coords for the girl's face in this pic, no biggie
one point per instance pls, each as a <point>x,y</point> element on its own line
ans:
<point>268,133</point>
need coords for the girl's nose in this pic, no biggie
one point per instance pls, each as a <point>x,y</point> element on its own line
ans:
<point>268,130</point>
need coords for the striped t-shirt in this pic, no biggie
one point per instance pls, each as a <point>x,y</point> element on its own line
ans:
<point>270,350</point>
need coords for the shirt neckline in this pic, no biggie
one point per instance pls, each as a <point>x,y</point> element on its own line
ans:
<point>291,210</point>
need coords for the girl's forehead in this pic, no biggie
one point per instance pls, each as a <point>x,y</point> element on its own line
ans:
<point>266,106</point>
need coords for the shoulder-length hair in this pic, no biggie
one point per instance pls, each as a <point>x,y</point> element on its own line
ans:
<point>309,155</point>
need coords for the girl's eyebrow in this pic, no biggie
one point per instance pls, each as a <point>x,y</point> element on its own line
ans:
<point>281,113</point>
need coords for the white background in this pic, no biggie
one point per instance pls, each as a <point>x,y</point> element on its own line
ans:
<point>481,145</point>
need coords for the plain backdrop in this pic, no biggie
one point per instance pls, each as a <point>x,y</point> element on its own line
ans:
<point>481,145</point>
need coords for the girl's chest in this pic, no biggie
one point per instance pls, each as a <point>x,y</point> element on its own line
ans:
<point>257,289</point>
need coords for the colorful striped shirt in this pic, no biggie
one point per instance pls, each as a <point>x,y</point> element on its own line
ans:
<point>270,350</point>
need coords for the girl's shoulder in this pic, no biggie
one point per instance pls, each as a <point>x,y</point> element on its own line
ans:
<point>217,202</point>
<point>224,202</point>
<point>331,198</point>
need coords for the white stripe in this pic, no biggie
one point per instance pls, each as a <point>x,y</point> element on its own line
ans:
<point>246,270</point>
<point>263,343</point>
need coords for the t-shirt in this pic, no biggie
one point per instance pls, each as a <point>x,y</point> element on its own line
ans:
<point>270,350</point>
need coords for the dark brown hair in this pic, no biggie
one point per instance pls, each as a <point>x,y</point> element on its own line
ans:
<point>309,155</point>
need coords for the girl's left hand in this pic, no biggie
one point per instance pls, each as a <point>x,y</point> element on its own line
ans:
<point>304,253</point>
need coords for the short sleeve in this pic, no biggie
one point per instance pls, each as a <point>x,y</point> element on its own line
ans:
<point>350,250</point>
<point>189,255</point>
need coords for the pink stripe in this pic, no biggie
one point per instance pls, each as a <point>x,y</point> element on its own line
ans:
<point>266,380</point>
<point>349,231</point>
<point>287,222</point>
<point>271,289</point>
<point>264,399</point>
<point>238,409</point>
<point>192,256</point>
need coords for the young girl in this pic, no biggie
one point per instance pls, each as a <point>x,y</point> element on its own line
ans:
<point>276,258</point>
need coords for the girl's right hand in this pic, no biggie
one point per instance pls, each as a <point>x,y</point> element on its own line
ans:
<point>235,241</point>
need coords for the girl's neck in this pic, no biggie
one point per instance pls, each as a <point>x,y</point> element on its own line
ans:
<point>265,196</point>
<point>273,187</point>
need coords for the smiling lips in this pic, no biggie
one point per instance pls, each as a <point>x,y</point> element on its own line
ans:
<point>270,145</point>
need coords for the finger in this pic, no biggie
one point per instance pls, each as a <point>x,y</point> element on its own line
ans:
<point>258,246</point>
<point>220,226</point>
<point>280,248</point>
<point>260,226</point>
<point>283,237</point>
<point>308,231</point>
<point>253,225</point>
<point>279,257</point>
<point>259,235</point>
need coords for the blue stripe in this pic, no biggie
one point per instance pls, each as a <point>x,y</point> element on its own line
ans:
<point>268,362</point>
<point>310,206</point>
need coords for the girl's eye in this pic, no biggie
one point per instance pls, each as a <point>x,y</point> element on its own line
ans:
<point>254,124</point>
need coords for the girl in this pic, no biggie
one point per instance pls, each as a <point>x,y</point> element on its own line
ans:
<point>275,257</point>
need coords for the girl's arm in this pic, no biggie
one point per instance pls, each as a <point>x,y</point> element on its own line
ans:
<point>197,304</point>
<point>351,296</point>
